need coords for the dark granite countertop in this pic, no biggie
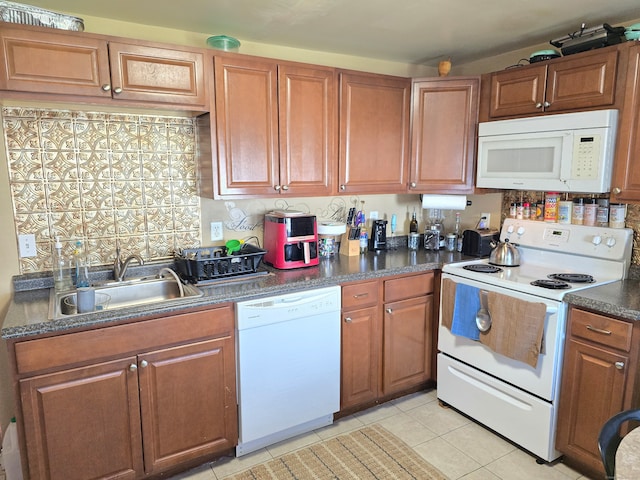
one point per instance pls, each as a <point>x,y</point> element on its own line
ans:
<point>29,309</point>
<point>621,299</point>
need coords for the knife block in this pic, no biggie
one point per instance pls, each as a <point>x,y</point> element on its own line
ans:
<point>349,247</point>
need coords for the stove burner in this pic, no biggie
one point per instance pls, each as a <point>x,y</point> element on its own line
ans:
<point>552,284</point>
<point>572,277</point>
<point>482,268</point>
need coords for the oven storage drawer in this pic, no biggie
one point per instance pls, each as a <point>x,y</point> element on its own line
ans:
<point>601,329</point>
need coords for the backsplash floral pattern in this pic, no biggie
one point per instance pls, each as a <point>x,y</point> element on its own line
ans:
<point>103,179</point>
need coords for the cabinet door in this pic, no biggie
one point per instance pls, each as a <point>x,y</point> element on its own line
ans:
<point>83,423</point>
<point>374,133</point>
<point>518,91</point>
<point>160,75</point>
<point>360,356</point>
<point>188,402</point>
<point>625,185</point>
<point>308,129</point>
<point>247,126</point>
<point>593,382</point>
<point>443,149</point>
<point>406,343</point>
<point>583,82</point>
<point>53,62</point>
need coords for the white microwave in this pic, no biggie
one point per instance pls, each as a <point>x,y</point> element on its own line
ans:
<point>569,152</point>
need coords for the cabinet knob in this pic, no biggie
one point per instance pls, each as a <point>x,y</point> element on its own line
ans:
<point>343,187</point>
<point>133,367</point>
<point>546,104</point>
<point>285,187</point>
<point>347,320</point>
<point>538,105</point>
<point>106,87</point>
<point>619,365</point>
<point>117,90</point>
<point>144,364</point>
<point>389,310</point>
<point>617,190</point>
<point>277,188</point>
<point>413,184</point>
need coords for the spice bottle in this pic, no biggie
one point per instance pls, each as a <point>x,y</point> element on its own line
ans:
<point>577,214</point>
<point>602,213</point>
<point>564,210</point>
<point>551,207</point>
<point>590,211</point>
<point>617,214</point>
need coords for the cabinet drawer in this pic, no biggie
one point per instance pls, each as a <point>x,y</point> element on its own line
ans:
<point>408,287</point>
<point>119,340</point>
<point>601,329</point>
<point>359,295</point>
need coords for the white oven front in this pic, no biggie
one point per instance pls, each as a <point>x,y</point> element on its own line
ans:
<point>508,396</point>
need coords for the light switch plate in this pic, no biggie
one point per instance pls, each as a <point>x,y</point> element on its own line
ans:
<point>216,231</point>
<point>27,245</point>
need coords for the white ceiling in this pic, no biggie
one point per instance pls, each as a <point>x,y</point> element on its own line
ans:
<point>407,31</point>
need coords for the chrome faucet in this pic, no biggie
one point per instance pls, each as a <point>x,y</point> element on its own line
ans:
<point>120,266</point>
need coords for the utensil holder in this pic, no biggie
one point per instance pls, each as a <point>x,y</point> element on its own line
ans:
<point>349,247</point>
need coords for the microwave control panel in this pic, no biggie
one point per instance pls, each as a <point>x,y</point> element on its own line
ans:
<point>586,154</point>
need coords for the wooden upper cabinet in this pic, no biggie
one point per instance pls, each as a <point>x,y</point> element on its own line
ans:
<point>52,62</point>
<point>580,81</point>
<point>625,185</point>
<point>308,113</point>
<point>49,61</point>
<point>276,127</point>
<point>444,126</point>
<point>159,75</point>
<point>374,133</point>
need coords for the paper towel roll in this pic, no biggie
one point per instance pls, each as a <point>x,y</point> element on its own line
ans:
<point>445,202</point>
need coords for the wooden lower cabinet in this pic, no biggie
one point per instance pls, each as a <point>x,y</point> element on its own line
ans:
<point>138,415</point>
<point>387,340</point>
<point>598,377</point>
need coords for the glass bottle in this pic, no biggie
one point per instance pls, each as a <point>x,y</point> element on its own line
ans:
<point>457,230</point>
<point>61,269</point>
<point>413,224</point>
<point>82,266</point>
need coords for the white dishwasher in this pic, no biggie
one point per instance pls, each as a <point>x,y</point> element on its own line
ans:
<point>288,365</point>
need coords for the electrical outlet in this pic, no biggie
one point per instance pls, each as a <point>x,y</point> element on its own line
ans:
<point>485,221</point>
<point>216,231</point>
<point>373,215</point>
<point>27,245</point>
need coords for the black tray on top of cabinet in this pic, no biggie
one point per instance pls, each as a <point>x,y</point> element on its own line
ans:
<point>197,265</point>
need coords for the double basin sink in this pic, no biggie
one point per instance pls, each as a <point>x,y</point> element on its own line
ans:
<point>118,295</point>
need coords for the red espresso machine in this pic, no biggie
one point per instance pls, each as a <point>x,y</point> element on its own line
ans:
<point>291,239</point>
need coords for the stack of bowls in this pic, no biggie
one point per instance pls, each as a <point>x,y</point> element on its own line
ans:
<point>223,42</point>
<point>632,32</point>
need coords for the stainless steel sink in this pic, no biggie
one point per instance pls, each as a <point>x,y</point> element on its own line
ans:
<point>118,295</point>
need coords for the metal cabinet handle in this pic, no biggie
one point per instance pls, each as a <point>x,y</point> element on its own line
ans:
<point>133,367</point>
<point>144,364</point>
<point>538,105</point>
<point>361,295</point>
<point>347,320</point>
<point>617,190</point>
<point>389,310</point>
<point>598,330</point>
<point>117,90</point>
<point>106,87</point>
<point>285,187</point>
<point>277,188</point>
<point>343,187</point>
<point>546,104</point>
<point>413,184</point>
<point>619,365</point>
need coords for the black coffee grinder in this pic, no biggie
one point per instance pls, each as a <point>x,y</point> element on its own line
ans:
<point>378,239</point>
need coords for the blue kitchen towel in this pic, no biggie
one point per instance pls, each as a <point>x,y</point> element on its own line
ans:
<point>465,307</point>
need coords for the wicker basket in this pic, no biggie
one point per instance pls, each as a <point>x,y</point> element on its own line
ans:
<point>207,263</point>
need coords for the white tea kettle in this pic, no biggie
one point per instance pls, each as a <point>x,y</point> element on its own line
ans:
<point>504,254</point>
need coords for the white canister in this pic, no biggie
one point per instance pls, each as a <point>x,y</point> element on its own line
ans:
<point>617,215</point>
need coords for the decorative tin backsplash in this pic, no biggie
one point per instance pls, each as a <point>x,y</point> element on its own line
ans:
<point>102,178</point>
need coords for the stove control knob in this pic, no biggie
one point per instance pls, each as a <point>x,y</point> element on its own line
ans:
<point>611,241</point>
<point>520,231</point>
<point>510,229</point>
<point>596,240</point>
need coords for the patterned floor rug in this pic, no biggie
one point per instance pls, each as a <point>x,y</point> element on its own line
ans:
<point>371,453</point>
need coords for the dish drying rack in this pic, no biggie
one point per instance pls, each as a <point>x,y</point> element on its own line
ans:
<point>199,265</point>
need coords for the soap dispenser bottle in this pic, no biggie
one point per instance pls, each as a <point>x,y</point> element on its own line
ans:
<point>61,269</point>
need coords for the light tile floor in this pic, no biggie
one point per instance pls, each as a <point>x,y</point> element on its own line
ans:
<point>459,447</point>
